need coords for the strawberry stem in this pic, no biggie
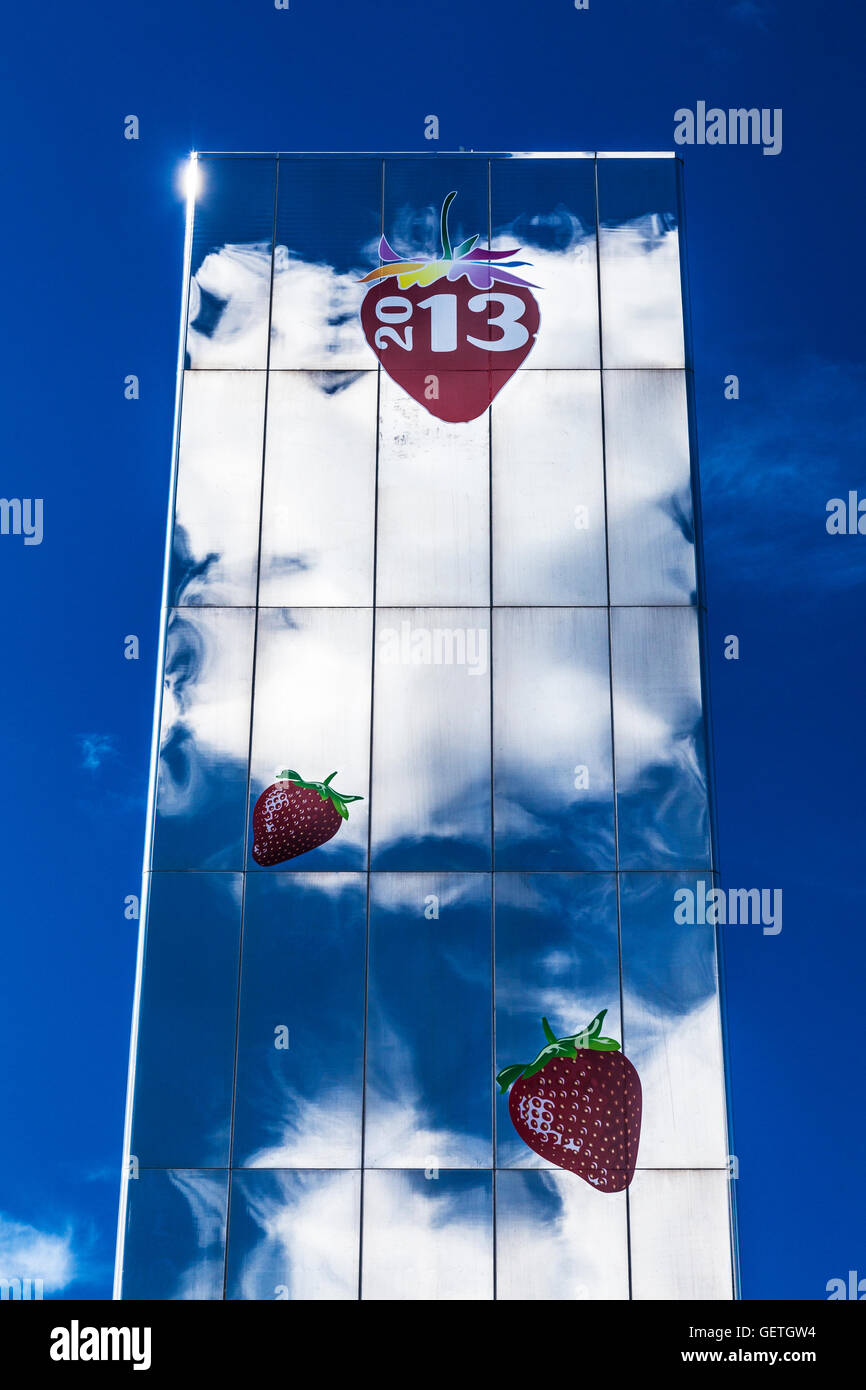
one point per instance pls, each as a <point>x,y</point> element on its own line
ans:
<point>446,240</point>
<point>589,1038</point>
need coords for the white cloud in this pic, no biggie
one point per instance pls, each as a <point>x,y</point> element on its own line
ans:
<point>316,325</point>
<point>238,277</point>
<point>206,1198</point>
<point>679,1061</point>
<point>327,1124</point>
<point>308,1243</point>
<point>208,659</point>
<point>572,1247</point>
<point>640,292</point>
<point>768,474</point>
<point>95,748</point>
<point>28,1253</point>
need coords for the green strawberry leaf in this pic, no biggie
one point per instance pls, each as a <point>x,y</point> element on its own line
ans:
<point>589,1038</point>
<point>465,247</point>
<point>324,789</point>
<point>507,1075</point>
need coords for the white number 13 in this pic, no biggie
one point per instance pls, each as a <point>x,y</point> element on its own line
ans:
<point>443,321</point>
<point>514,333</point>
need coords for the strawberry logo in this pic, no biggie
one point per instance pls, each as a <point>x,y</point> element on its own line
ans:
<point>578,1104</point>
<point>459,327</point>
<point>293,816</point>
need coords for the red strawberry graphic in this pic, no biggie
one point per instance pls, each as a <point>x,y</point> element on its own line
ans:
<point>450,331</point>
<point>293,816</point>
<point>578,1104</point>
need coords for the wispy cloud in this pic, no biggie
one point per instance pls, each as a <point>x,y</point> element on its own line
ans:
<point>792,441</point>
<point>750,12</point>
<point>28,1253</point>
<point>756,13</point>
<point>95,748</point>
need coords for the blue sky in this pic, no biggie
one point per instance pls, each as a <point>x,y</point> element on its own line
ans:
<point>93,249</point>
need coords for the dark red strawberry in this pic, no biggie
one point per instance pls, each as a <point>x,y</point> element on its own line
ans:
<point>578,1104</point>
<point>293,816</point>
<point>450,331</point>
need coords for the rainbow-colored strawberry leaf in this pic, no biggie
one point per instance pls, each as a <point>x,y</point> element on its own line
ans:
<point>480,266</point>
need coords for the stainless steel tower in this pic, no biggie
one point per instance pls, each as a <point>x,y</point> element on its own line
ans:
<point>433,525</point>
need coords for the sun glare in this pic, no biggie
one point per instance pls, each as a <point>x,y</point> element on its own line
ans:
<point>190,178</point>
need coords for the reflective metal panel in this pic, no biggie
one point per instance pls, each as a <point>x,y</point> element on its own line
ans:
<point>415,190</point>
<point>186,1039</point>
<point>319,498</point>
<point>433,543</point>
<point>659,734</point>
<point>216,522</point>
<point>230,285</point>
<point>671,1020</point>
<point>639,261</point>
<point>556,958</point>
<point>175,1235</point>
<point>433,537</point>
<point>548,490</point>
<point>329,218</point>
<point>545,209</point>
<point>558,1239</point>
<point>312,715</point>
<point>650,521</point>
<point>204,739</point>
<point>429,1044</point>
<point>294,1235</point>
<point>680,1235</point>
<point>469,322</point>
<point>427,1238</point>
<point>317,1043</point>
<point>301,1024</point>
<point>551,720</point>
<point>431,739</point>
